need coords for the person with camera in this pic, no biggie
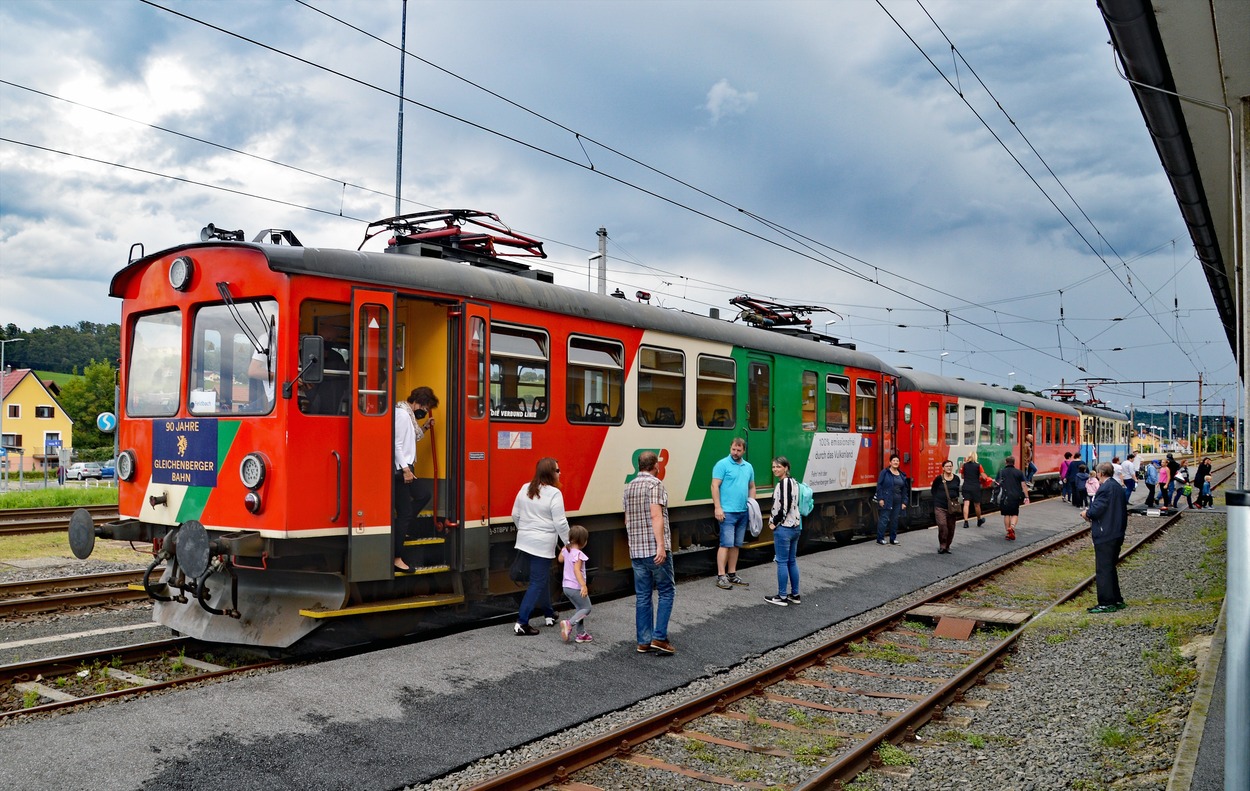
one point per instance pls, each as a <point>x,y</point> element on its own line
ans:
<point>411,494</point>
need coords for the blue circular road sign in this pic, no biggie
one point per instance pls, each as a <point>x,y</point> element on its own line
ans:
<point>106,421</point>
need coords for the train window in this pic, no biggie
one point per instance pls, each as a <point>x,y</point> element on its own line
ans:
<point>154,370</point>
<point>952,424</point>
<point>934,417</point>
<point>661,387</point>
<point>807,404</point>
<point>865,405</point>
<point>837,403</point>
<point>518,373</point>
<point>373,363</point>
<point>1000,426</point>
<point>234,357</point>
<point>1050,436</point>
<point>759,396</point>
<point>332,395</point>
<point>475,367</point>
<point>715,392</point>
<point>1012,426</point>
<point>970,425</point>
<point>596,381</point>
<point>987,419</point>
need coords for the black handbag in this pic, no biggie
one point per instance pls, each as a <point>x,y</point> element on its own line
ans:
<point>519,571</point>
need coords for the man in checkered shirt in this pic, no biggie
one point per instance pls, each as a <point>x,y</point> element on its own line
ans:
<point>650,546</point>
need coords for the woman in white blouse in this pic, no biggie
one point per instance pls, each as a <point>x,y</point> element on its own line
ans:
<point>538,514</point>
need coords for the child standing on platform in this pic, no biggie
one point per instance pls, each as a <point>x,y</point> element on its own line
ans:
<point>575,584</point>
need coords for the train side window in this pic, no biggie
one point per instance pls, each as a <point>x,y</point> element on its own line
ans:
<point>952,424</point>
<point>934,417</point>
<point>715,392</point>
<point>332,395</point>
<point>518,372</point>
<point>373,365</point>
<point>661,387</point>
<point>1000,427</point>
<point>807,407</point>
<point>596,380</point>
<point>987,419</point>
<point>1050,436</point>
<point>837,403</point>
<point>970,425</point>
<point>154,375</point>
<point>865,405</point>
<point>475,365</point>
<point>759,396</point>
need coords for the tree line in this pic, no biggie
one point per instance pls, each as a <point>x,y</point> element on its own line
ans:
<point>90,352</point>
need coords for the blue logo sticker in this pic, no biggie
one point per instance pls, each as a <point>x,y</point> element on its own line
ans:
<point>184,452</point>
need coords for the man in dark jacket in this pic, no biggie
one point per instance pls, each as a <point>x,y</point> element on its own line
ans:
<point>1069,481</point>
<point>1108,517</point>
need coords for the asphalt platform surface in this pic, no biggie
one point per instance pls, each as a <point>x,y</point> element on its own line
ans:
<point>408,714</point>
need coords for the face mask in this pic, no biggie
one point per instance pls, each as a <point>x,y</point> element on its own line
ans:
<point>419,413</point>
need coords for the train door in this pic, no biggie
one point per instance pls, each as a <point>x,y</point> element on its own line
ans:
<point>473,456</point>
<point>1025,428</point>
<point>372,436</point>
<point>759,422</point>
<point>889,414</point>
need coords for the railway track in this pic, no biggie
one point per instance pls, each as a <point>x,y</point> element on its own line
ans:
<point>44,685</point>
<point>54,594</point>
<point>821,718</point>
<point>16,521</point>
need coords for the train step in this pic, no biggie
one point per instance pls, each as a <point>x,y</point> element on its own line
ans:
<point>425,542</point>
<point>390,605</point>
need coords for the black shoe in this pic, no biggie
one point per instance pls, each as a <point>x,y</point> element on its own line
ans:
<point>523,629</point>
<point>879,541</point>
<point>965,523</point>
<point>794,598</point>
<point>780,601</point>
<point>894,542</point>
<point>980,521</point>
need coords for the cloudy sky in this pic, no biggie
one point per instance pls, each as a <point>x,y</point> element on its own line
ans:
<point>968,177</point>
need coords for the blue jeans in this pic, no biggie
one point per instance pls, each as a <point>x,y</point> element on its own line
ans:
<point>1030,472</point>
<point>538,594</point>
<point>648,577</point>
<point>733,531</point>
<point>889,516</point>
<point>786,553</point>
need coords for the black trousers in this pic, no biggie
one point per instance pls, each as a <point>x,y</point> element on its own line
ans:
<point>1106,575</point>
<point>410,498</point>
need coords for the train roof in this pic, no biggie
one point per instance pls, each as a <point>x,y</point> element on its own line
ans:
<point>925,382</point>
<point>474,282</point>
<point>1101,411</point>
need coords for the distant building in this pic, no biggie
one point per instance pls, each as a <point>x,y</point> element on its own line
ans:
<point>32,418</point>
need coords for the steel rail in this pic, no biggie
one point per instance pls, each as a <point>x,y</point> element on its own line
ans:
<point>18,521</point>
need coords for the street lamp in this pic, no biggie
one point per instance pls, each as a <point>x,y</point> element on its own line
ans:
<point>4,343</point>
<point>1010,385</point>
<point>942,363</point>
<point>590,269</point>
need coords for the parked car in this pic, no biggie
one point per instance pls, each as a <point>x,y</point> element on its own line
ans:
<point>82,470</point>
<point>108,469</point>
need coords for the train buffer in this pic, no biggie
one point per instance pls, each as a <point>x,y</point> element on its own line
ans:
<point>957,621</point>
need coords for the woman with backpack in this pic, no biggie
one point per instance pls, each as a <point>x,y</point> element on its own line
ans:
<point>945,490</point>
<point>787,524</point>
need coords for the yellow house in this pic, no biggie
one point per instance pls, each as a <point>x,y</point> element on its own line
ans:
<point>31,420</point>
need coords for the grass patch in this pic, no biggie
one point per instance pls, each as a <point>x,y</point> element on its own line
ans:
<point>59,496</point>
<point>973,739</point>
<point>886,653</point>
<point>1115,738</point>
<point>894,756</point>
<point>32,546</point>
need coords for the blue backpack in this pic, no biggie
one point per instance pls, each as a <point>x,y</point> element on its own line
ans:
<point>807,499</point>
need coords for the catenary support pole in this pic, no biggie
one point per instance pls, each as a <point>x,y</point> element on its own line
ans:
<point>1237,645</point>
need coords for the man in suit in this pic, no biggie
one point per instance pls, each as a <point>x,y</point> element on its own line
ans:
<point>1108,517</point>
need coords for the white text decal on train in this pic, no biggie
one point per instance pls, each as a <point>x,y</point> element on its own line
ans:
<point>831,462</point>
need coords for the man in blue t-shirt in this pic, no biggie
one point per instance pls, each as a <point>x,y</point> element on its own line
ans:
<point>733,482</point>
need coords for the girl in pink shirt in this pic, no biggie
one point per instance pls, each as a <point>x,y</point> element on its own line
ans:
<point>574,584</point>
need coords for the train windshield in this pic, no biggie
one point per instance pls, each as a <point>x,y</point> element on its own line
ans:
<point>154,370</point>
<point>233,358</point>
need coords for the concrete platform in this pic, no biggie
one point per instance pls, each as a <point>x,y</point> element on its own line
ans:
<point>404,715</point>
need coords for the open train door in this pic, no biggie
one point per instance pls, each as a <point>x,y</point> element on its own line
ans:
<point>473,382</point>
<point>759,414</point>
<point>370,555</point>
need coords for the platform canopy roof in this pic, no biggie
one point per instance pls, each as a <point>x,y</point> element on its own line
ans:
<point>1198,52</point>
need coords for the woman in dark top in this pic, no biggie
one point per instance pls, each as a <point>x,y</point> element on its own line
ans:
<point>1204,472</point>
<point>892,492</point>
<point>1012,482</point>
<point>945,491</point>
<point>971,489</point>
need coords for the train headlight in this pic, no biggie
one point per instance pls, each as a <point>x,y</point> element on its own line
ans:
<point>180,271</point>
<point>252,470</point>
<point>252,502</point>
<point>126,465</point>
